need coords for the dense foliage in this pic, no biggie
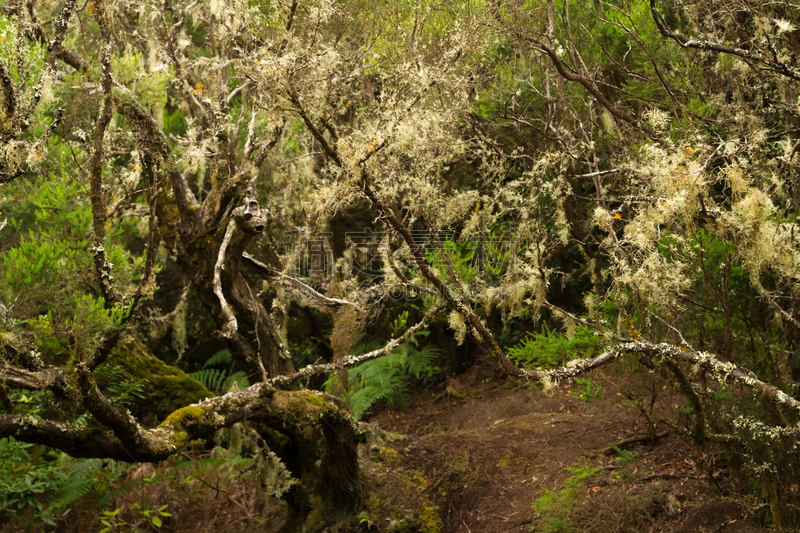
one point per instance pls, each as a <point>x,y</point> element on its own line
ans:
<point>270,192</point>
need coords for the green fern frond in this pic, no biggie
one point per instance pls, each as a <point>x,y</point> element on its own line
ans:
<point>239,378</point>
<point>551,349</point>
<point>211,378</point>
<point>388,377</point>
<point>222,357</point>
<point>79,482</point>
<point>364,398</point>
<point>119,491</point>
<point>420,363</point>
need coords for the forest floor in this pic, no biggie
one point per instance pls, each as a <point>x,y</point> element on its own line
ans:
<point>498,449</point>
<point>483,454</point>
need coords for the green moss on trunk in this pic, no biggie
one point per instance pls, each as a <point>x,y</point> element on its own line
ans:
<point>166,389</point>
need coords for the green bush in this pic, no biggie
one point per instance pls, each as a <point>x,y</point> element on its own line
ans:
<point>45,481</point>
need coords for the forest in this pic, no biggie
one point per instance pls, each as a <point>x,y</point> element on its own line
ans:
<point>276,253</point>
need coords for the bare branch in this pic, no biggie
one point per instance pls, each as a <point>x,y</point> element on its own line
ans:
<point>712,46</point>
<point>586,83</point>
<point>318,427</point>
<point>763,292</point>
<point>150,139</point>
<point>25,379</point>
<point>595,174</point>
<point>230,326</point>
<point>147,280</point>
<point>720,371</point>
<point>237,90</point>
<point>486,339</point>
<point>61,23</point>
<point>248,143</point>
<point>327,148</point>
<point>9,100</point>
<point>303,292</point>
<point>74,440</point>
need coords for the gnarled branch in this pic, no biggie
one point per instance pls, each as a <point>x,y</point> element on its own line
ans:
<point>355,360</point>
<point>230,326</point>
<point>305,294</point>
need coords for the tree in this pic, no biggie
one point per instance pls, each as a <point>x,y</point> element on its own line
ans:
<point>223,124</point>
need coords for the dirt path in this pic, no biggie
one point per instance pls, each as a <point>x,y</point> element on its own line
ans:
<point>487,452</point>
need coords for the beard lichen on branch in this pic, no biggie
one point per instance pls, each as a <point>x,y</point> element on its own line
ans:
<point>457,116</point>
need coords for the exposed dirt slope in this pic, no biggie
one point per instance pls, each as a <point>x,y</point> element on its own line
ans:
<point>488,452</point>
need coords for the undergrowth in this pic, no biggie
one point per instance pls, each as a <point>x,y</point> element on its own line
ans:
<point>38,483</point>
<point>581,505</point>
<point>550,349</point>
<point>389,377</point>
<point>217,380</point>
<point>554,507</point>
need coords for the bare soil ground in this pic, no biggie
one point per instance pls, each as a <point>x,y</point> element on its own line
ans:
<point>489,451</point>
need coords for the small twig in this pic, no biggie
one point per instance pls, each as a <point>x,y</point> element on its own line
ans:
<point>598,173</point>
<point>673,328</point>
<point>315,299</point>
<point>771,300</point>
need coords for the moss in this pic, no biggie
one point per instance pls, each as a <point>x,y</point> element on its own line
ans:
<point>389,456</point>
<point>166,388</point>
<point>183,418</point>
<point>417,481</point>
<point>317,401</point>
<point>319,515</point>
<point>399,499</point>
<point>374,504</point>
<point>179,418</point>
<point>429,521</point>
<point>504,463</point>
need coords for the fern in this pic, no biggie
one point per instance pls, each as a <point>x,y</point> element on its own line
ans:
<point>238,378</point>
<point>222,357</point>
<point>551,349</point>
<point>80,481</point>
<point>376,380</point>
<point>220,380</point>
<point>388,377</point>
<point>46,481</point>
<point>211,378</point>
<point>125,390</point>
<point>118,491</point>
